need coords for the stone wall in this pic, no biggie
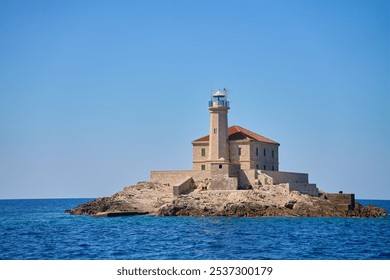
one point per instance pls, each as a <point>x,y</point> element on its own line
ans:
<point>186,186</point>
<point>220,179</point>
<point>264,179</point>
<point>247,178</point>
<point>177,176</point>
<point>227,176</point>
<point>223,183</point>
<point>309,189</point>
<point>347,201</point>
<point>287,177</point>
<point>234,170</point>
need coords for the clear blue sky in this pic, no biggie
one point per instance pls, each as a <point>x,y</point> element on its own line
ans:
<point>95,94</point>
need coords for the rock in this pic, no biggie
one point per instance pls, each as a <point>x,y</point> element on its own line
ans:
<point>119,214</point>
<point>153,198</point>
<point>290,204</point>
<point>144,197</point>
<point>369,211</point>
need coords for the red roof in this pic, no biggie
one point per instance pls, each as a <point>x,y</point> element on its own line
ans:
<point>236,132</point>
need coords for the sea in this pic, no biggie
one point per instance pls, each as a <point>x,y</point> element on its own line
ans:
<point>38,229</point>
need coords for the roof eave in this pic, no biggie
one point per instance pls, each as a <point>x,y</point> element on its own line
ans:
<point>199,141</point>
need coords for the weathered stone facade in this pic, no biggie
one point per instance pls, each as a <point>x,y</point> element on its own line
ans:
<point>223,177</point>
<point>346,201</point>
<point>173,177</point>
<point>200,154</point>
<point>245,149</point>
<point>218,140</point>
<point>254,154</point>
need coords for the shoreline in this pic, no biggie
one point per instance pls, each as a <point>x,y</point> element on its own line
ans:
<point>148,198</point>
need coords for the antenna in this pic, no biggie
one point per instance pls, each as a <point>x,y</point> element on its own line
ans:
<point>226,91</point>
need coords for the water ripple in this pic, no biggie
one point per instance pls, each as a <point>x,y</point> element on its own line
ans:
<point>38,229</point>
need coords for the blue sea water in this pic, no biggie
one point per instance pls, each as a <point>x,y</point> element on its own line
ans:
<point>39,229</point>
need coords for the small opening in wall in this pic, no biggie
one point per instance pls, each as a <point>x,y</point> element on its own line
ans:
<point>264,152</point>
<point>215,130</point>
<point>220,166</point>
<point>273,168</point>
<point>265,167</point>
<point>239,151</point>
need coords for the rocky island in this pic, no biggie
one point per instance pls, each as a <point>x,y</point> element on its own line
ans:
<point>158,199</point>
<point>235,173</point>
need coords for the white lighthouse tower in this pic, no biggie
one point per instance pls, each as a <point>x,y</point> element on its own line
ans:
<point>218,145</point>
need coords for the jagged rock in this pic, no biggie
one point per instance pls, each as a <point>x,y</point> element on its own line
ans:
<point>158,199</point>
<point>369,211</point>
<point>144,197</point>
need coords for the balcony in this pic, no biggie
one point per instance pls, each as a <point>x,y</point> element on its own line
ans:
<point>219,103</point>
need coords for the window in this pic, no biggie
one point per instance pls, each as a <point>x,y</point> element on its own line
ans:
<point>273,168</point>
<point>215,130</point>
<point>239,151</point>
<point>203,152</point>
<point>264,152</point>
<point>257,166</point>
<point>257,151</point>
<point>220,166</point>
<point>265,167</point>
<point>203,167</point>
<point>272,153</point>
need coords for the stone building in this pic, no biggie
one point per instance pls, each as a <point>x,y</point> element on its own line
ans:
<point>232,158</point>
<point>246,148</point>
<point>234,145</point>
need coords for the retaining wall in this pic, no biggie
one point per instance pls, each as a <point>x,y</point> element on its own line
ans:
<point>280,177</point>
<point>174,177</point>
<point>344,200</point>
<point>187,186</point>
<point>309,189</point>
<point>247,178</point>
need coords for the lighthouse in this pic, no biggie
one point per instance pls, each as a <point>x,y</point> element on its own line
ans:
<point>218,145</point>
<point>232,158</point>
